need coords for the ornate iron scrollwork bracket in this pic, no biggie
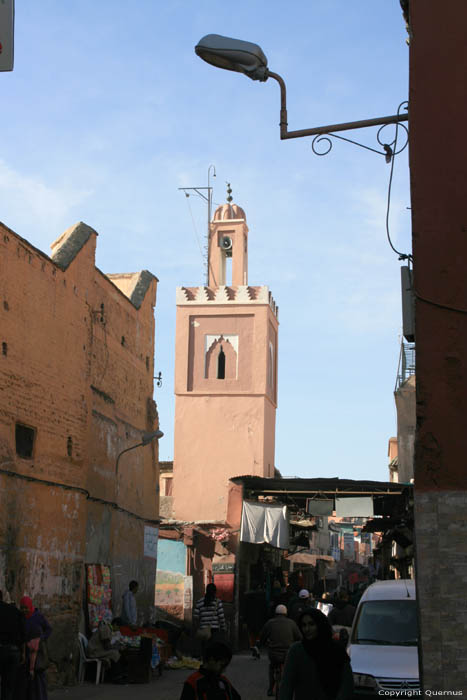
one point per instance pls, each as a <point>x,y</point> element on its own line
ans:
<point>322,143</point>
<point>323,135</point>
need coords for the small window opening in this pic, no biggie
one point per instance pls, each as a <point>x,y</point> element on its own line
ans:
<point>228,271</point>
<point>102,313</point>
<point>24,438</point>
<point>6,306</point>
<point>123,341</point>
<point>69,446</point>
<point>168,491</point>
<point>147,362</point>
<point>221,364</point>
<point>4,349</point>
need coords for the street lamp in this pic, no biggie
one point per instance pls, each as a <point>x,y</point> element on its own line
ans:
<point>245,57</point>
<point>146,439</point>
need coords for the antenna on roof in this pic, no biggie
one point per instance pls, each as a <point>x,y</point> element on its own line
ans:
<point>199,191</point>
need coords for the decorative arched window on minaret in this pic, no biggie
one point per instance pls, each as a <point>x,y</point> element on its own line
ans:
<point>221,357</point>
<point>221,364</point>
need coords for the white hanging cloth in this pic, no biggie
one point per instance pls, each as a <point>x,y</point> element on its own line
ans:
<point>265,523</point>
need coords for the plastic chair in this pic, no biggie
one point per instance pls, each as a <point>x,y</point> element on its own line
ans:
<point>84,659</point>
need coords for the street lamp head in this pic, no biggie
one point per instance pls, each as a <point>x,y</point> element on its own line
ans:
<point>234,54</point>
<point>149,437</point>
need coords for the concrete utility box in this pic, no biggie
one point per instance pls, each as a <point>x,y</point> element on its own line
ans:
<point>408,304</point>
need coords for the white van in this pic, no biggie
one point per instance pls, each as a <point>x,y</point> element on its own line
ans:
<point>383,645</point>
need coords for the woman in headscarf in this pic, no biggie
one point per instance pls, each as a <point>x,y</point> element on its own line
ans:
<point>32,684</point>
<point>317,667</point>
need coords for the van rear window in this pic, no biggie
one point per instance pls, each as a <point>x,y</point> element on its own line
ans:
<point>387,622</point>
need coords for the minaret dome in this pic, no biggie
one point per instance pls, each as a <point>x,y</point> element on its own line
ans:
<point>227,211</point>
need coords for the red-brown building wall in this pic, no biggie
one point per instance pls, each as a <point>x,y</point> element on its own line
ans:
<point>76,365</point>
<point>438,166</point>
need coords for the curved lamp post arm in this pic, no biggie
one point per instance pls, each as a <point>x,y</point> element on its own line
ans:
<point>140,444</point>
<point>346,126</point>
<point>147,439</point>
<point>248,58</point>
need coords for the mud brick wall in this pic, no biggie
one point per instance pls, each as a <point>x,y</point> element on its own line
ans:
<point>76,374</point>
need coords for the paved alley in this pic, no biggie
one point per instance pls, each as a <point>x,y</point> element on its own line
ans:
<point>248,676</point>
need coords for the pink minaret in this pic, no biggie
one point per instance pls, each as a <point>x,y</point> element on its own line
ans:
<point>225,376</point>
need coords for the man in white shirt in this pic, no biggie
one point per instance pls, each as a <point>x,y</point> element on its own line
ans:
<point>129,612</point>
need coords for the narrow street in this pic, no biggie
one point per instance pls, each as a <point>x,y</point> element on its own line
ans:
<point>248,676</point>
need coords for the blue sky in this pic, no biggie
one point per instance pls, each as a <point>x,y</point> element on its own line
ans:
<point>109,111</point>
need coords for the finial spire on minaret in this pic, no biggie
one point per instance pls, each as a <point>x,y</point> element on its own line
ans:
<point>229,193</point>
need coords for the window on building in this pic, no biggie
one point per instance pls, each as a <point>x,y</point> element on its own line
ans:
<point>168,486</point>
<point>24,437</point>
<point>221,364</point>
<point>271,366</point>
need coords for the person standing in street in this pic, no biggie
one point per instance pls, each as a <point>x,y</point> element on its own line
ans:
<point>254,613</point>
<point>278,634</point>
<point>208,615</point>
<point>208,683</point>
<point>129,611</point>
<point>12,640</point>
<point>317,667</point>
<point>343,612</point>
<point>303,602</point>
<point>31,679</point>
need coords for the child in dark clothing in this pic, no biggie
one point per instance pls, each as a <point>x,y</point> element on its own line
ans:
<point>208,683</point>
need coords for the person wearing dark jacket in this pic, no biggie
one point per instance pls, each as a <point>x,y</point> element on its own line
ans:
<point>31,680</point>
<point>12,639</point>
<point>343,612</point>
<point>208,683</point>
<point>254,613</point>
<point>302,602</point>
<point>278,634</point>
<point>317,667</point>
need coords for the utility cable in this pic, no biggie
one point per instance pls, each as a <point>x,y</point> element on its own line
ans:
<point>76,489</point>
<point>402,256</point>
<point>405,256</point>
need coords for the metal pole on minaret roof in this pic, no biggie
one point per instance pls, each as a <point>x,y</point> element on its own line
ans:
<point>200,192</point>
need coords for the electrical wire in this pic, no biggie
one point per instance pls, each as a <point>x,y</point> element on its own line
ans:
<point>439,305</point>
<point>76,489</point>
<point>409,256</point>
<point>402,256</point>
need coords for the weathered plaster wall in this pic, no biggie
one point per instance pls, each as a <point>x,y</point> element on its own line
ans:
<point>223,428</point>
<point>76,366</point>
